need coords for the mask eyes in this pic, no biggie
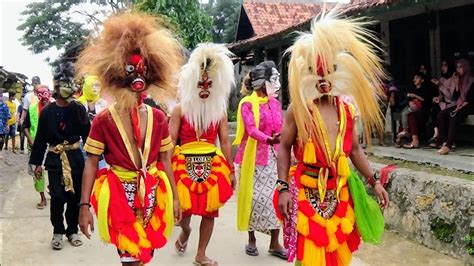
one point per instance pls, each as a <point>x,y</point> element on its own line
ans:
<point>129,69</point>
<point>310,69</point>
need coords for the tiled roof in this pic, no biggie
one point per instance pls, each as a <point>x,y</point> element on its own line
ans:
<point>270,17</point>
<point>360,5</point>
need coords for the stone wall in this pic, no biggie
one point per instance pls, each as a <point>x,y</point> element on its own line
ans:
<point>433,210</point>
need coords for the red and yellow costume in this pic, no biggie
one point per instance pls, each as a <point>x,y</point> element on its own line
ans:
<point>201,172</point>
<point>332,211</point>
<point>326,233</point>
<point>137,217</point>
<point>134,56</point>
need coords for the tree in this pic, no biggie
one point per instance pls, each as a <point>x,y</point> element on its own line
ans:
<point>60,23</point>
<point>225,15</point>
<point>185,17</point>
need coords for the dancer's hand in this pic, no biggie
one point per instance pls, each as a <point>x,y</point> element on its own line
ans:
<point>38,171</point>
<point>232,181</point>
<point>382,195</point>
<point>284,204</point>
<point>178,212</point>
<point>85,220</point>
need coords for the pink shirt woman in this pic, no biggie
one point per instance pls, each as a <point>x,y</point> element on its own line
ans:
<point>271,121</point>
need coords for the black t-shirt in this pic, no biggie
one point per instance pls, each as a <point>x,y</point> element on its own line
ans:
<point>424,92</point>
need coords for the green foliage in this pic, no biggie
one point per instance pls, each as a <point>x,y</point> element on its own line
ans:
<point>62,23</point>
<point>469,240</point>
<point>185,17</point>
<point>232,115</point>
<point>443,231</point>
<point>225,16</point>
<point>47,26</point>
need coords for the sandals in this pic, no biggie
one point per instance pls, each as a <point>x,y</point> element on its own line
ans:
<point>444,150</point>
<point>57,242</point>
<point>205,263</point>
<point>75,240</point>
<point>251,251</point>
<point>282,253</point>
<point>410,146</point>
<point>179,247</point>
<point>41,205</point>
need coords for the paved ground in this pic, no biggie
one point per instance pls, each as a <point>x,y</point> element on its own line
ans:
<point>25,233</point>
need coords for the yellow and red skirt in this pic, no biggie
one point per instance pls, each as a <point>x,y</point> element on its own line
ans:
<point>202,177</point>
<point>137,217</point>
<point>325,229</point>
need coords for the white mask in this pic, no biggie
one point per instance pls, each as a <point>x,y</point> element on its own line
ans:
<point>273,85</point>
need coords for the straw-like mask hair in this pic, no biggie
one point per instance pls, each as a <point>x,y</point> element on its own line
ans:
<point>342,52</point>
<point>211,60</point>
<point>125,35</point>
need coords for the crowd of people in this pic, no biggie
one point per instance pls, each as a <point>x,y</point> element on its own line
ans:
<point>436,107</point>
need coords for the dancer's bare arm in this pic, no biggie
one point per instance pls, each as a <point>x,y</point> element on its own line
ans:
<point>85,216</point>
<point>288,138</point>
<point>362,164</point>
<point>226,146</point>
<point>175,122</point>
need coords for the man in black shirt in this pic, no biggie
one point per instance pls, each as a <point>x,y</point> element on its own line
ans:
<point>61,126</point>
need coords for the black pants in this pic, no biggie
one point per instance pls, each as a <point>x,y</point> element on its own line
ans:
<point>59,197</point>
<point>435,110</point>
<point>447,124</point>
<point>2,140</point>
<point>22,140</point>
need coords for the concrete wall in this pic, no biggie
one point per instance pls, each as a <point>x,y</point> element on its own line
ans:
<point>426,205</point>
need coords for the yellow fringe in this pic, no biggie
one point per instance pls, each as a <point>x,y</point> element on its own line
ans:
<point>302,226</point>
<point>346,226</point>
<point>103,211</point>
<point>183,195</point>
<point>313,255</point>
<point>331,227</point>
<point>213,202</point>
<point>126,244</point>
<point>309,155</point>
<point>344,255</point>
<point>167,197</point>
<point>142,242</point>
<point>333,243</point>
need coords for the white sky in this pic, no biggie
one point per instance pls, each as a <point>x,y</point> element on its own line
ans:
<point>15,57</point>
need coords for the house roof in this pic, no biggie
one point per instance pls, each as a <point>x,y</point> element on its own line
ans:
<point>270,17</point>
<point>360,5</point>
<point>270,20</point>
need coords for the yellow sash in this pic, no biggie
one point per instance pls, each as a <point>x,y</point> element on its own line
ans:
<point>244,203</point>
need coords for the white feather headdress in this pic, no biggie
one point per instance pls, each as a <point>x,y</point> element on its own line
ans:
<point>201,113</point>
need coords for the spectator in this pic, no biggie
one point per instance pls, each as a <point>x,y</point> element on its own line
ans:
<point>450,117</point>
<point>30,127</point>
<point>4,117</point>
<point>11,124</point>
<point>417,111</point>
<point>30,97</point>
<point>19,111</point>
<point>443,100</point>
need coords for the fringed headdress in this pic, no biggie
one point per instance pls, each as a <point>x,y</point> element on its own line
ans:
<point>344,53</point>
<point>138,40</point>
<point>211,61</point>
